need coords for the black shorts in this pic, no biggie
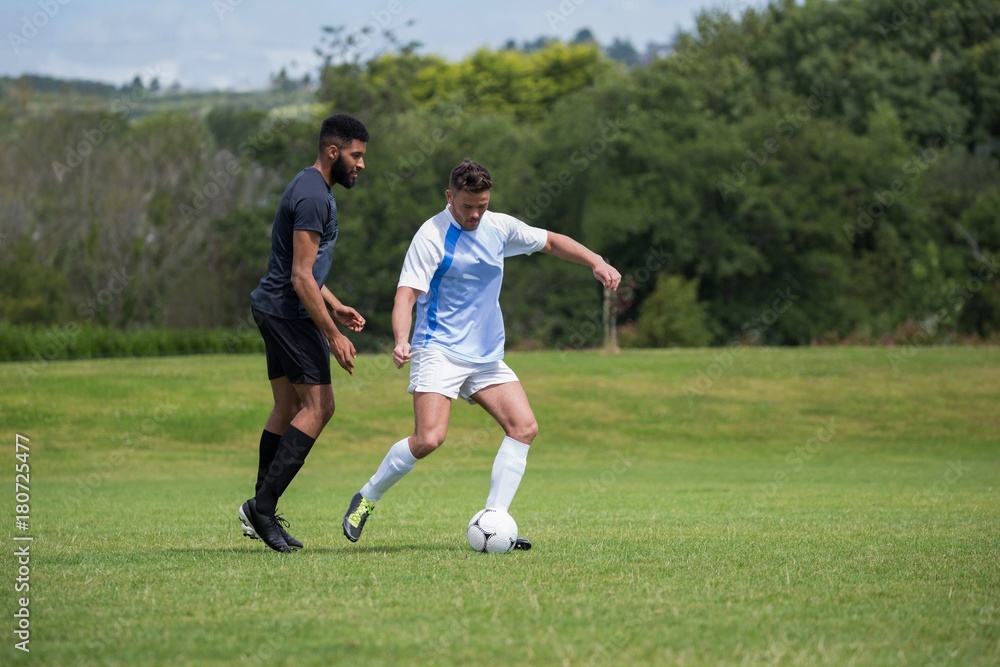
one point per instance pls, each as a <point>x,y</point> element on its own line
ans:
<point>294,348</point>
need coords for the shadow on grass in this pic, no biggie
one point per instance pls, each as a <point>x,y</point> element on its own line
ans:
<point>346,549</point>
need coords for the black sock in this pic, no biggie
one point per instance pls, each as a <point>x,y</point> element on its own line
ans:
<point>291,454</point>
<point>268,448</point>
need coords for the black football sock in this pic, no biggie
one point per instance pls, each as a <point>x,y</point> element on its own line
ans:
<point>292,452</point>
<point>268,448</point>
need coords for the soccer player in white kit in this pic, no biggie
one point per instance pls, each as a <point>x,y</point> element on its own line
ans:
<point>452,273</point>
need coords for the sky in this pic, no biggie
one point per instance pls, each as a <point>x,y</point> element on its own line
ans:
<point>239,44</point>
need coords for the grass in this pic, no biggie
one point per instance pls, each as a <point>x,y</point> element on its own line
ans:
<point>826,506</point>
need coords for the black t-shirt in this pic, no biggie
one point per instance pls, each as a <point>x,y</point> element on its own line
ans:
<point>307,204</point>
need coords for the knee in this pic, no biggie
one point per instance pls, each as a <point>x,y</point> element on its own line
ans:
<point>284,414</point>
<point>326,409</point>
<point>423,444</point>
<point>525,433</point>
<point>322,409</point>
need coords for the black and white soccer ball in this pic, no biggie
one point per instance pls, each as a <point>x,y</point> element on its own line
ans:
<point>492,531</point>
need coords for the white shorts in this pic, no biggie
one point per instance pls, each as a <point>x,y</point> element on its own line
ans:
<point>435,372</point>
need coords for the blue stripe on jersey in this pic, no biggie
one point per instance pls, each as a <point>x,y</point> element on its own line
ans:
<point>450,241</point>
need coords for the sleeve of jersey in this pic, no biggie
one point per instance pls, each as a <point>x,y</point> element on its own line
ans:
<point>522,238</point>
<point>422,260</point>
<point>311,213</point>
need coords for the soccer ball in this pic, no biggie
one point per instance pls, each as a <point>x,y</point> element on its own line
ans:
<point>492,531</point>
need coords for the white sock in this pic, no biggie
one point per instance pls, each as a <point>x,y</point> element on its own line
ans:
<point>508,468</point>
<point>396,463</point>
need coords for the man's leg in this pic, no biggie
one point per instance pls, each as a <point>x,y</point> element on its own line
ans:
<point>286,406</point>
<point>508,405</point>
<point>431,413</point>
<point>297,440</point>
<point>258,513</point>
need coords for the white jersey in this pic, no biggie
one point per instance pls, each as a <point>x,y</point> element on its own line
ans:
<point>460,273</point>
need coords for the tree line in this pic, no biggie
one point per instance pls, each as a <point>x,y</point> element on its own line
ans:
<point>825,172</point>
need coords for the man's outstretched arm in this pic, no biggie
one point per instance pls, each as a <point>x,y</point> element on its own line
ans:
<point>563,247</point>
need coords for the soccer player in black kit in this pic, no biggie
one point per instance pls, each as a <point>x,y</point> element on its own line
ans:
<point>298,316</point>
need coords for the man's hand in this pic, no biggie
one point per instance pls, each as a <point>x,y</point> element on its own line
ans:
<point>347,317</point>
<point>343,351</point>
<point>607,275</point>
<point>566,248</point>
<point>401,354</point>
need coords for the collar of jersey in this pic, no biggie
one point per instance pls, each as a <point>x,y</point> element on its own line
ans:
<point>454,223</point>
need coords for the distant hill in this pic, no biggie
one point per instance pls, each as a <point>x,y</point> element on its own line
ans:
<point>33,95</point>
<point>48,84</point>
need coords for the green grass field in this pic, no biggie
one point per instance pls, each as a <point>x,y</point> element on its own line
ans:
<point>829,506</point>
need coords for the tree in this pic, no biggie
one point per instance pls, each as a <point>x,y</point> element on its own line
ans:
<point>672,316</point>
<point>623,52</point>
<point>282,82</point>
<point>802,172</point>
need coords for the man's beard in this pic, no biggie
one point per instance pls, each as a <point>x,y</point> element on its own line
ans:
<point>340,173</point>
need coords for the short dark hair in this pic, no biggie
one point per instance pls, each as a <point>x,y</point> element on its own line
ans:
<point>341,129</point>
<point>470,176</point>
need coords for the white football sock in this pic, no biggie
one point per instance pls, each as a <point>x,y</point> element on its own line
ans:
<point>508,468</point>
<point>396,463</point>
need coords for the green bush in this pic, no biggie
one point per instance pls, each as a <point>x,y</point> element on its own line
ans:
<point>672,317</point>
<point>76,341</point>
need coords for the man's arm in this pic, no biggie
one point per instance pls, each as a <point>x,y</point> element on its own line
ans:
<point>332,302</point>
<point>305,247</point>
<point>563,247</point>
<point>402,318</point>
<point>343,315</point>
